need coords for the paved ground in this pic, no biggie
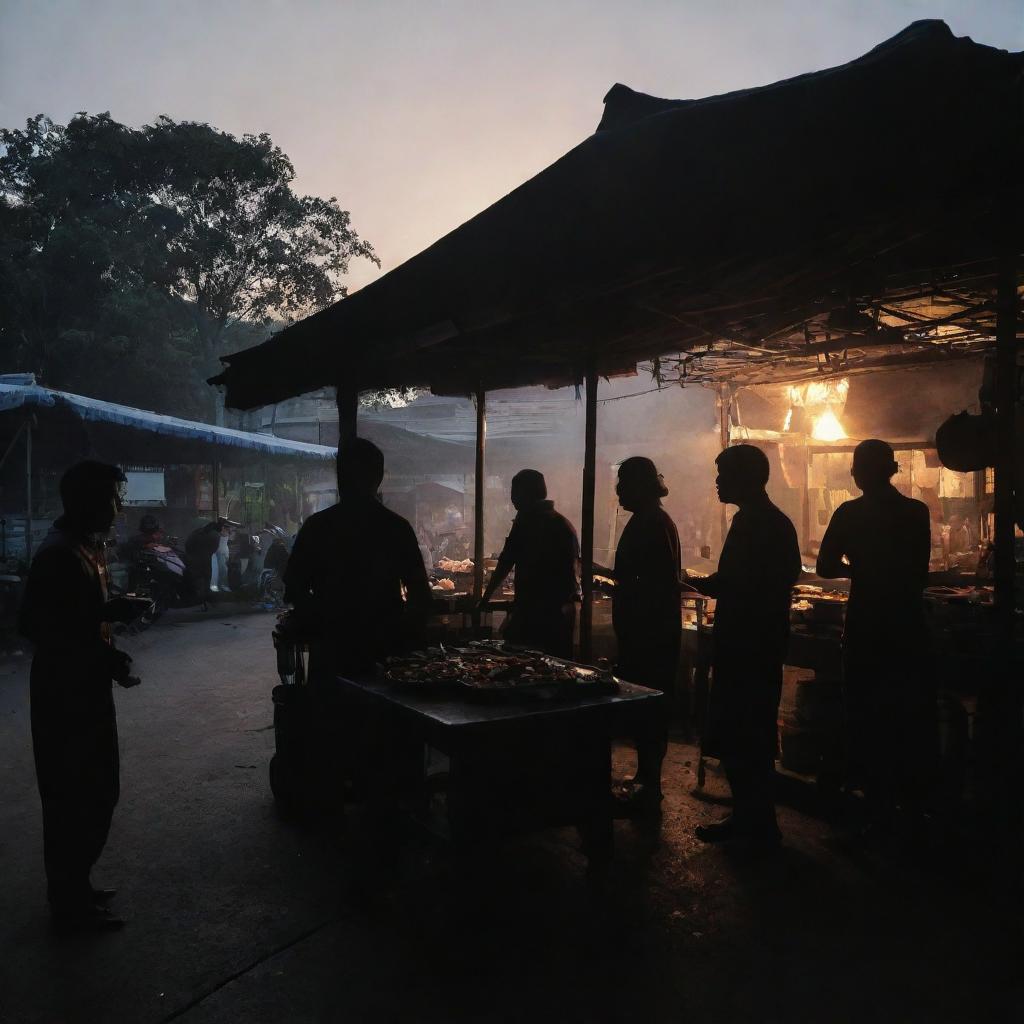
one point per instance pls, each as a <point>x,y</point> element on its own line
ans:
<point>237,916</point>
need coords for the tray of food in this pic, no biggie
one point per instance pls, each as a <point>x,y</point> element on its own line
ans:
<point>488,672</point>
<point>460,567</point>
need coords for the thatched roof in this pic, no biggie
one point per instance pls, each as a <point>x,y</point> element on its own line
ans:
<point>831,221</point>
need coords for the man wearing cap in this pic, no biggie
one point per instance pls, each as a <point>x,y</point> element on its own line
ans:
<point>882,542</point>
<point>759,564</point>
<point>543,549</point>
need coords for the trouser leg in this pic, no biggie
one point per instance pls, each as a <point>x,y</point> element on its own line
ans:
<point>654,667</point>
<point>651,747</point>
<point>100,816</point>
<point>67,872</point>
<point>74,834</point>
<point>734,774</point>
<point>751,782</point>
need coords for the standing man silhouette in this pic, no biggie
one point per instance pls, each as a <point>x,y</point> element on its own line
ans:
<point>543,549</point>
<point>759,564</point>
<point>65,613</point>
<point>882,542</point>
<point>387,611</point>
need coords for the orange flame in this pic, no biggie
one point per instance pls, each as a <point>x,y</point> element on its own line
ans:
<point>827,427</point>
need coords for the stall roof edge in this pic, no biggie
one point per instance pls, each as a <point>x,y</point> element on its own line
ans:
<point>833,221</point>
<point>36,398</point>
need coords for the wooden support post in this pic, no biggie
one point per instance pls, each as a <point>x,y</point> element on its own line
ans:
<point>1004,705</point>
<point>478,495</point>
<point>805,508</point>
<point>215,488</point>
<point>587,519</point>
<point>724,401</point>
<point>1006,400</point>
<point>347,397</point>
<point>28,493</point>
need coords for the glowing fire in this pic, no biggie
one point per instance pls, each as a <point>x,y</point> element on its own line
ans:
<point>819,392</point>
<point>827,427</point>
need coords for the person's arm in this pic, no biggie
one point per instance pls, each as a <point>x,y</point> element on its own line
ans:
<point>298,574</point>
<point>708,586</point>
<point>792,563</point>
<point>506,563</point>
<point>661,559</point>
<point>830,565</point>
<point>51,614</point>
<point>413,575</point>
<point>921,552</point>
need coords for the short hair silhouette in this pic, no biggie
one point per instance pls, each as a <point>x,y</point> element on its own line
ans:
<point>149,523</point>
<point>360,465</point>
<point>530,485</point>
<point>87,484</point>
<point>641,475</point>
<point>748,462</point>
<point>874,461</point>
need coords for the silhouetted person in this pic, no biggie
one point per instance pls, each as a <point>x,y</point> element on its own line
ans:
<point>65,613</point>
<point>276,558</point>
<point>349,566</point>
<point>543,549</point>
<point>759,564</point>
<point>645,612</point>
<point>201,547</point>
<point>882,542</point>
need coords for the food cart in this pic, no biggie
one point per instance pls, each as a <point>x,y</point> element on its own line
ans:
<point>527,740</point>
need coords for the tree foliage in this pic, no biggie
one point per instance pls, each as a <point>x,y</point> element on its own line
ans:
<point>130,256</point>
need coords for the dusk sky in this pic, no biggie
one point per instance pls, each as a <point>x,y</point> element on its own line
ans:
<point>417,115</point>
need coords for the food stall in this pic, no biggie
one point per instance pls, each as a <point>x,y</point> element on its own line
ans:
<point>676,238</point>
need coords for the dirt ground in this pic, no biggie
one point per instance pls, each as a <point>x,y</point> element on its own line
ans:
<point>236,915</point>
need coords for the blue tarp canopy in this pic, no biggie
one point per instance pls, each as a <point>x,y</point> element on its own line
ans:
<point>122,433</point>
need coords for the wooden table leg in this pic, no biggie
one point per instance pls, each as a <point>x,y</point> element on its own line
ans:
<point>596,822</point>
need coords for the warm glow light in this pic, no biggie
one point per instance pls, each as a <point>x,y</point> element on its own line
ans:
<point>827,427</point>
<point>819,392</point>
<point>789,419</point>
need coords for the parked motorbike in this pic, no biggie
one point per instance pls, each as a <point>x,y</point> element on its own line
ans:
<point>271,578</point>
<point>158,571</point>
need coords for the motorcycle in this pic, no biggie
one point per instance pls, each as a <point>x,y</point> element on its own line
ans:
<point>158,572</point>
<point>270,586</point>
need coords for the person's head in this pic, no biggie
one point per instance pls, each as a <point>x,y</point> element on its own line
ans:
<point>743,473</point>
<point>639,483</point>
<point>360,468</point>
<point>149,524</point>
<point>874,465</point>
<point>528,487</point>
<point>91,495</point>
<point>227,526</point>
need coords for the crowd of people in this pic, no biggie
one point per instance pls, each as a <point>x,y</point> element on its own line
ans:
<point>880,541</point>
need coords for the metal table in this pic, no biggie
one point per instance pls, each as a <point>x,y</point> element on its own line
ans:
<point>514,767</point>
